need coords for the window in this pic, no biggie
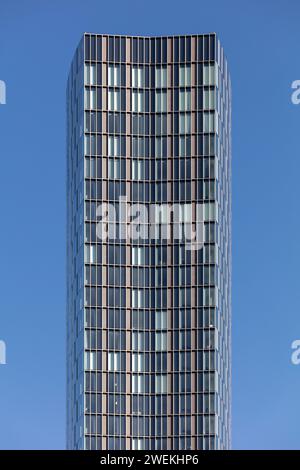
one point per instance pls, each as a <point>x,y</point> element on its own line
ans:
<point>116,254</point>
<point>90,74</point>
<point>90,360</point>
<point>116,361</point>
<point>116,190</point>
<point>138,444</point>
<point>114,100</point>
<point>138,256</point>
<point>161,124</point>
<point>116,340</point>
<point>114,297</point>
<point>161,101</point>
<point>209,296</point>
<point>91,379</point>
<point>138,77</point>
<point>90,253</point>
<point>184,146</point>
<point>185,297</point>
<point>139,169</point>
<point>138,362</point>
<point>116,276</point>
<point>138,383</point>
<point>208,122</point>
<point>93,339</point>
<point>140,341</point>
<point>160,169</point>
<point>116,168</point>
<point>209,74</point>
<point>210,211</point>
<point>93,274</point>
<point>90,144</point>
<point>116,425</point>
<point>161,320</point>
<point>116,403</point>
<point>93,295</point>
<point>116,123</point>
<point>184,75</point>
<point>90,98</point>
<point>208,382</point>
<point>113,168</point>
<point>92,424</point>
<point>160,255</point>
<point>114,146</point>
<point>116,382</point>
<point>160,384</point>
<point>161,77</point>
<point>160,341</point>
<point>138,146</point>
<point>184,100</point>
<point>138,298</point>
<point>184,123</point>
<point>208,168</point>
<point>116,318</point>
<point>161,214</point>
<point>114,75</point>
<point>138,101</point>
<point>185,213</point>
<point>93,402</point>
<point>93,121</point>
<point>136,171</point>
<point>208,191</point>
<point>208,99</point>
<point>160,147</point>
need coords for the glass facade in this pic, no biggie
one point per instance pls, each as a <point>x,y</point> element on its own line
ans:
<point>148,321</point>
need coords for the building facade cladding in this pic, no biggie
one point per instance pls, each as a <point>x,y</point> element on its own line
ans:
<point>148,321</point>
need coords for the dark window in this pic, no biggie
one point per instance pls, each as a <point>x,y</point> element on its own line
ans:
<point>87,48</point>
<point>200,48</point>
<point>93,47</point>
<point>111,49</point>
<point>99,48</point>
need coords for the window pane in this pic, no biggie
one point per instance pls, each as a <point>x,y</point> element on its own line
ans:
<point>161,77</point>
<point>184,75</point>
<point>114,75</point>
<point>90,74</point>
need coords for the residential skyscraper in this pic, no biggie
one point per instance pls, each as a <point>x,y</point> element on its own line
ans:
<point>148,317</point>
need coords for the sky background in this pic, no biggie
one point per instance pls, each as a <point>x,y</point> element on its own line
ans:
<point>261,40</point>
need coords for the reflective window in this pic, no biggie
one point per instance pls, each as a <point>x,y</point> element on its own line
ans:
<point>161,77</point>
<point>160,383</point>
<point>209,74</point>
<point>208,99</point>
<point>114,100</point>
<point>184,100</point>
<point>114,75</point>
<point>138,105</point>
<point>90,74</point>
<point>161,341</point>
<point>184,75</point>
<point>90,98</point>
<point>161,101</point>
<point>138,77</point>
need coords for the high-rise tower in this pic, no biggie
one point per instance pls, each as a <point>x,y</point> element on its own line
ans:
<point>149,318</point>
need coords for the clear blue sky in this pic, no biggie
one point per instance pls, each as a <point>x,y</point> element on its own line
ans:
<point>261,39</point>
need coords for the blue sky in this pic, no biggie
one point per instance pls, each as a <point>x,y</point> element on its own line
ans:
<point>261,40</point>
